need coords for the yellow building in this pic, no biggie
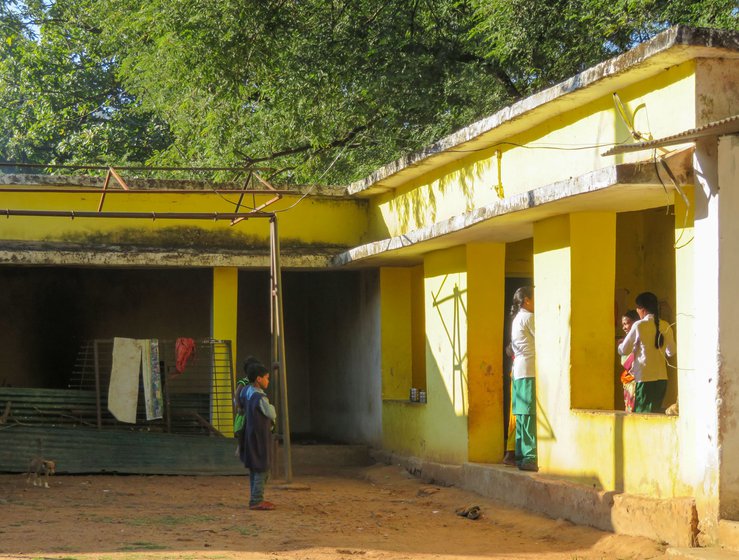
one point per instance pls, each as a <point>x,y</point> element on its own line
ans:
<point>620,180</point>
<point>617,181</point>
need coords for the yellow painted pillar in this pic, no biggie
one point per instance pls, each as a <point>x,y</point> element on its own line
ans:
<point>445,419</point>
<point>396,332</point>
<point>552,320</point>
<point>485,315</point>
<point>418,328</point>
<point>592,277</point>
<point>574,280</point>
<point>223,327</point>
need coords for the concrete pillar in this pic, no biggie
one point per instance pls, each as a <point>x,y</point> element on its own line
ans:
<point>592,277</point>
<point>699,370</point>
<point>418,328</point>
<point>396,332</point>
<point>485,314</point>
<point>552,318</point>
<point>225,306</point>
<point>728,327</point>
<point>574,276</point>
<point>223,327</point>
<point>446,309</point>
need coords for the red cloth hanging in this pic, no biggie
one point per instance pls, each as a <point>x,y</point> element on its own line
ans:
<point>184,349</point>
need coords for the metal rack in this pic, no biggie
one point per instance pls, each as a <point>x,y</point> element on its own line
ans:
<point>197,401</point>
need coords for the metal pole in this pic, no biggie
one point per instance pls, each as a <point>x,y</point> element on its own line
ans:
<point>274,327</point>
<point>98,405</point>
<point>72,214</point>
<point>275,354</point>
<point>280,324</point>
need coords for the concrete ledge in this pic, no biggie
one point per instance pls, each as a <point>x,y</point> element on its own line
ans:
<point>700,554</point>
<point>555,498</point>
<point>309,456</point>
<point>431,473</point>
<point>728,534</point>
<point>672,521</point>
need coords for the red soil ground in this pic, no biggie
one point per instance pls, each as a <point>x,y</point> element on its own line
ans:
<point>379,512</point>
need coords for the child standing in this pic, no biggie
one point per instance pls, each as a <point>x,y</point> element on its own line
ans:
<point>627,378</point>
<point>256,440</point>
<point>651,341</point>
<point>239,418</point>
<point>524,377</point>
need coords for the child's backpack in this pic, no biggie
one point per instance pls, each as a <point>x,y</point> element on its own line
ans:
<point>239,418</point>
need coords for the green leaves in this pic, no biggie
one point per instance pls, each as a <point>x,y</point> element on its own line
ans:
<point>60,98</point>
<point>314,90</point>
<point>541,43</point>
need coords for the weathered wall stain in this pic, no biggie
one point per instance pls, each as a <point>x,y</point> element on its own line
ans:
<point>184,237</point>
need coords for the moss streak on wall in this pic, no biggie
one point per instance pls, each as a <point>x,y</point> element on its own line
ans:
<point>563,145</point>
<point>313,221</point>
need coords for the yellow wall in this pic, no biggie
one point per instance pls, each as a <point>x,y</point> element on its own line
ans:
<point>486,287</point>
<point>592,241</point>
<point>438,429</point>
<point>418,328</point>
<point>312,221</point>
<point>225,304</point>
<point>396,330</point>
<point>519,260</point>
<point>446,353</point>
<point>574,265</point>
<point>658,107</point>
<point>579,293</point>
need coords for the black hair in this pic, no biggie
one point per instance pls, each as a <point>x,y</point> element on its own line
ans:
<point>649,302</point>
<point>249,361</point>
<point>255,369</point>
<point>519,296</point>
<point>632,315</point>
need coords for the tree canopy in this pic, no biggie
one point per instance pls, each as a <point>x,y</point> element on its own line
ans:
<point>315,90</point>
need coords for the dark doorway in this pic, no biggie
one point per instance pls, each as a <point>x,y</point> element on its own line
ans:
<point>511,285</point>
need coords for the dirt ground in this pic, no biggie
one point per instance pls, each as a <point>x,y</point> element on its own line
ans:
<point>379,512</point>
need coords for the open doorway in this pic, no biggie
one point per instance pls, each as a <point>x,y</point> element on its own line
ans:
<point>519,271</point>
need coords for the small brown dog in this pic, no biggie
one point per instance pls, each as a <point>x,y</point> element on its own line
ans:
<point>39,466</point>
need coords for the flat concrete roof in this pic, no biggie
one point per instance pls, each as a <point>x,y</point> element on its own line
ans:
<point>31,253</point>
<point>670,48</point>
<point>36,180</point>
<point>620,188</point>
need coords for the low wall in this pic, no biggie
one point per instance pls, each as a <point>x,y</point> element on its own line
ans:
<point>673,521</point>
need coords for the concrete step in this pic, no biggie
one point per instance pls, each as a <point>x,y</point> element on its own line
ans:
<point>712,553</point>
<point>728,534</point>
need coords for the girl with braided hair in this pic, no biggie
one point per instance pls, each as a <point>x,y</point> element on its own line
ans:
<point>524,377</point>
<point>652,342</point>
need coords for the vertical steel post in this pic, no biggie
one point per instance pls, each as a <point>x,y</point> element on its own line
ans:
<point>98,405</point>
<point>279,344</point>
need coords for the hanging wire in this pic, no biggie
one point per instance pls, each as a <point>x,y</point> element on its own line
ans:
<point>663,163</point>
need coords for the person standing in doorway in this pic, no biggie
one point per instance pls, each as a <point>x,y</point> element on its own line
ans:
<point>524,377</point>
<point>652,342</point>
<point>256,439</point>
<point>510,443</point>
<point>627,378</point>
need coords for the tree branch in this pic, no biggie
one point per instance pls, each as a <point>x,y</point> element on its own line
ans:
<point>303,148</point>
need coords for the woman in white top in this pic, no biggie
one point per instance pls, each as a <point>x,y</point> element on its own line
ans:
<point>652,342</point>
<point>524,380</point>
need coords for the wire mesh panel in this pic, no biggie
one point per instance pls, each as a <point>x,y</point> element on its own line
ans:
<point>197,393</point>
